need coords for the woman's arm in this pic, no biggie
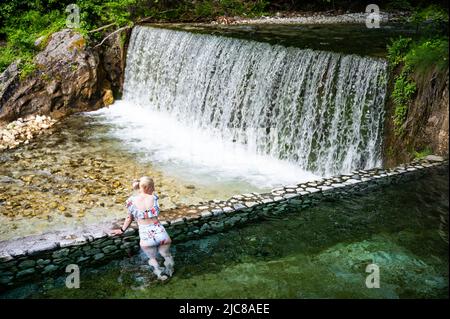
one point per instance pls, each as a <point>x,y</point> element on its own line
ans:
<point>128,220</point>
<point>126,224</point>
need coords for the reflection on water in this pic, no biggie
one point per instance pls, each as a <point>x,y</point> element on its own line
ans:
<point>320,252</point>
<point>343,38</point>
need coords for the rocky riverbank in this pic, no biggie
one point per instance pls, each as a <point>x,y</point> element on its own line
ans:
<point>22,131</point>
<point>331,17</point>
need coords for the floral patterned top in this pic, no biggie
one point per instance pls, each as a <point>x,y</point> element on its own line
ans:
<point>142,214</point>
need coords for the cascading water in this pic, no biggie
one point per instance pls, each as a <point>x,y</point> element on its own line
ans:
<point>320,112</point>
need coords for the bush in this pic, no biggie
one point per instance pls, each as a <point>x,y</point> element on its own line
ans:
<point>413,58</point>
<point>25,22</point>
<point>432,13</point>
<point>428,54</point>
<point>402,95</point>
<point>397,51</point>
<point>26,68</point>
<point>431,21</point>
<point>95,13</point>
<point>399,5</point>
<point>22,32</point>
<point>213,8</point>
<point>423,153</point>
<point>7,56</point>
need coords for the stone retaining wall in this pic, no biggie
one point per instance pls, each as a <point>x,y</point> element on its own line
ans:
<point>35,257</point>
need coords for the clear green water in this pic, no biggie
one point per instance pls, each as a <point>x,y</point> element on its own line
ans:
<point>320,252</point>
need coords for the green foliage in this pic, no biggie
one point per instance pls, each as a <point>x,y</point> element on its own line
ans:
<point>402,95</point>
<point>428,54</point>
<point>413,58</point>
<point>431,21</point>
<point>390,152</point>
<point>423,153</point>
<point>419,55</point>
<point>26,21</point>
<point>27,68</point>
<point>7,55</point>
<point>21,33</point>
<point>209,9</point>
<point>96,13</point>
<point>432,13</point>
<point>205,9</point>
<point>399,5</point>
<point>403,90</point>
<point>397,51</point>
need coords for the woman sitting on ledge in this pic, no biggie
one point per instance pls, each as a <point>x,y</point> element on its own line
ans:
<point>144,208</point>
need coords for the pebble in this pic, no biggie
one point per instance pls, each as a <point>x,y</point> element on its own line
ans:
<point>22,131</point>
<point>434,158</point>
<point>307,19</point>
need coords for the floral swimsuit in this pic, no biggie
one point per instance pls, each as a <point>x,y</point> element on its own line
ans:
<point>153,234</point>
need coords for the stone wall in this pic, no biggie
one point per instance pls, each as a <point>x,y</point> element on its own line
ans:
<point>34,257</point>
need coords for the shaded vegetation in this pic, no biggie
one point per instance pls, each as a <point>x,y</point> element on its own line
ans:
<point>423,153</point>
<point>410,58</point>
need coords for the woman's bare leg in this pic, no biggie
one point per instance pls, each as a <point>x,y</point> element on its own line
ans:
<point>164,251</point>
<point>151,253</point>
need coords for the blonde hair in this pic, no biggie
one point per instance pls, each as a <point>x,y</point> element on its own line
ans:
<point>146,183</point>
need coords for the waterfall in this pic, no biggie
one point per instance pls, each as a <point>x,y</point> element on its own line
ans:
<point>321,110</point>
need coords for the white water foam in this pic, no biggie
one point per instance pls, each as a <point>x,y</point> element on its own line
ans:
<point>192,153</point>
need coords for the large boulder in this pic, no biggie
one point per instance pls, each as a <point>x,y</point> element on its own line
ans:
<point>9,81</point>
<point>112,58</point>
<point>68,79</point>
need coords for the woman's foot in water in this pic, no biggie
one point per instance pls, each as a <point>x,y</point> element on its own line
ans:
<point>158,271</point>
<point>169,264</point>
